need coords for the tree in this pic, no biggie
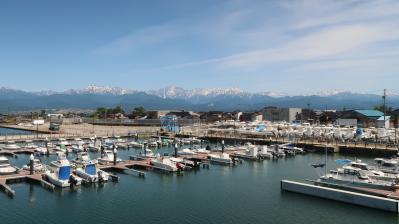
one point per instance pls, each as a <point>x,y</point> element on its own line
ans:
<point>138,112</point>
<point>388,110</point>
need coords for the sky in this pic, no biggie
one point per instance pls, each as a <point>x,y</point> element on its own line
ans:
<point>290,46</point>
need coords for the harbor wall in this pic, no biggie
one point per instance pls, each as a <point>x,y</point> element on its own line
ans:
<point>385,204</point>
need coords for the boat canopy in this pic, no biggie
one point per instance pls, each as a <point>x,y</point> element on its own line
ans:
<point>90,169</point>
<point>64,173</point>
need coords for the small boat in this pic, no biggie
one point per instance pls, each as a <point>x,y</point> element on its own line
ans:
<point>37,166</point>
<point>265,153</point>
<point>77,148</point>
<point>59,173</point>
<point>201,151</point>
<point>135,144</point>
<point>251,154</point>
<point>165,163</point>
<point>31,146</point>
<point>187,163</point>
<point>5,167</point>
<point>223,158</point>
<point>41,150</point>
<point>82,157</point>
<point>92,148</point>
<point>11,146</point>
<point>186,152</point>
<point>107,157</point>
<point>63,141</point>
<point>152,144</point>
<point>147,154</point>
<point>89,172</point>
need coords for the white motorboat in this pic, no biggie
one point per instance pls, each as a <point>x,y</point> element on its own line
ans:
<point>165,163</point>
<point>31,146</point>
<point>5,167</point>
<point>77,148</point>
<point>83,157</point>
<point>107,157</point>
<point>223,158</point>
<point>59,173</point>
<point>251,153</point>
<point>41,150</point>
<point>37,166</point>
<point>186,152</point>
<point>147,154</point>
<point>90,173</point>
<point>11,146</point>
<point>135,144</point>
<point>152,144</point>
<point>63,141</point>
<point>201,151</point>
<point>265,153</point>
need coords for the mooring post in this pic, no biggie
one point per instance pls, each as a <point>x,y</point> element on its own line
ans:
<point>222,146</point>
<point>32,164</point>
<point>115,154</point>
<point>46,143</point>
<point>176,150</point>
<point>144,148</point>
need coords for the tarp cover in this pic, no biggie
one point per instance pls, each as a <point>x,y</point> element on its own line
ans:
<point>90,169</point>
<point>64,173</point>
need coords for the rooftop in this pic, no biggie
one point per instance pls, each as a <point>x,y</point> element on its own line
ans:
<point>370,113</point>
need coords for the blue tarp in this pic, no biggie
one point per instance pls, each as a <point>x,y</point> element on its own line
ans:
<point>64,173</point>
<point>343,161</point>
<point>90,169</point>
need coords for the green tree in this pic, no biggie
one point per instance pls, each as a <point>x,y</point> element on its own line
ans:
<point>381,108</point>
<point>139,112</point>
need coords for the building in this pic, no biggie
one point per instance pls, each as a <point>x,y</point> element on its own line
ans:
<point>381,123</point>
<point>184,114</point>
<point>364,118</point>
<point>281,114</point>
<point>251,116</point>
<point>156,114</point>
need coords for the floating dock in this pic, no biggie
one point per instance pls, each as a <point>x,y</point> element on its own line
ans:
<point>371,201</point>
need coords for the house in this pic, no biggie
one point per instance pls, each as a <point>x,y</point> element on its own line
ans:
<point>184,114</point>
<point>281,114</point>
<point>251,116</point>
<point>383,122</point>
<point>156,114</point>
<point>364,118</point>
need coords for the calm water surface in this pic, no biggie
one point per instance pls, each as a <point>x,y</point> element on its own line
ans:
<point>9,131</point>
<point>247,193</point>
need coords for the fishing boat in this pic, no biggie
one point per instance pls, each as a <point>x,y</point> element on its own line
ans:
<point>5,167</point>
<point>186,162</point>
<point>59,173</point>
<point>291,148</point>
<point>11,146</point>
<point>107,157</point>
<point>223,158</point>
<point>89,172</point>
<point>165,163</point>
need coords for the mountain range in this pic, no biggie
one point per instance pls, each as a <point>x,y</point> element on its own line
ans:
<point>176,98</point>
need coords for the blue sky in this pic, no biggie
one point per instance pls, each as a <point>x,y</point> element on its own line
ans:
<point>288,46</point>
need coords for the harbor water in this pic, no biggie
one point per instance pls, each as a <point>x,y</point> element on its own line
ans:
<point>10,131</point>
<point>247,193</point>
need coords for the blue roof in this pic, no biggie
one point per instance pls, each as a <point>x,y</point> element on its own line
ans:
<point>370,113</point>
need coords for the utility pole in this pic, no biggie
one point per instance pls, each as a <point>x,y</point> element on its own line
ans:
<point>385,111</point>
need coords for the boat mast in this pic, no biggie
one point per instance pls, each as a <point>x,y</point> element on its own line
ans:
<point>325,163</point>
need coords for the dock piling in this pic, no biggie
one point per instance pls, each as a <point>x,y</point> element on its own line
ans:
<point>32,164</point>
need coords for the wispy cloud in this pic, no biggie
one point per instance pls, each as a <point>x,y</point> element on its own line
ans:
<point>143,37</point>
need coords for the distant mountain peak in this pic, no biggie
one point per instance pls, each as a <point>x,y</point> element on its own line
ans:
<point>94,89</point>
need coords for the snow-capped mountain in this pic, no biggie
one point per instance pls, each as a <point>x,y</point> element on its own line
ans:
<point>92,89</point>
<point>175,92</point>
